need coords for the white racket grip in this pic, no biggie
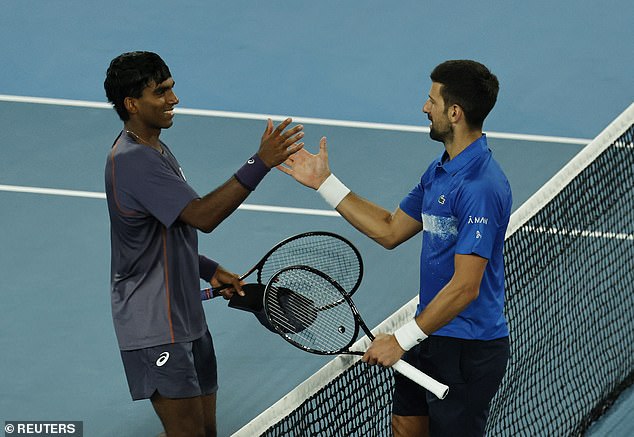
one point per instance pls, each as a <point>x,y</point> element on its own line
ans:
<point>420,378</point>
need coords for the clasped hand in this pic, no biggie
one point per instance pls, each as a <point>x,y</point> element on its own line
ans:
<point>277,144</point>
<point>384,351</point>
<point>308,169</point>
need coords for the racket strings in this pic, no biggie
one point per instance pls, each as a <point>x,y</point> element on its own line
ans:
<point>292,313</point>
<point>330,255</point>
<point>309,311</point>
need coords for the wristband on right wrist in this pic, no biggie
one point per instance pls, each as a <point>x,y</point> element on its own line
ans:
<point>333,190</point>
<point>252,172</point>
<point>409,335</point>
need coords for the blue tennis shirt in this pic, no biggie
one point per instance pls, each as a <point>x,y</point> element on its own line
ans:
<point>465,206</point>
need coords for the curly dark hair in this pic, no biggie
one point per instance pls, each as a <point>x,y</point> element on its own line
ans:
<point>129,74</point>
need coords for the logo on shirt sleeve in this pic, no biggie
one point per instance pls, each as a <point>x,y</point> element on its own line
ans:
<point>478,220</point>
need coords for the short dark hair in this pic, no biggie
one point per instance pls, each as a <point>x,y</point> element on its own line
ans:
<point>470,85</point>
<point>129,74</point>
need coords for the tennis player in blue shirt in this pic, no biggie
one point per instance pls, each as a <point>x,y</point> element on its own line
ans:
<point>462,205</point>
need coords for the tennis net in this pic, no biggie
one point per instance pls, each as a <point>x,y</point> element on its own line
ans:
<point>569,257</point>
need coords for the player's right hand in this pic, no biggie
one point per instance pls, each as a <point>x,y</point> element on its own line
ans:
<point>277,144</point>
<point>308,169</point>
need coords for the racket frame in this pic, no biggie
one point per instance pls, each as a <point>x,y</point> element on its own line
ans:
<point>401,366</point>
<point>210,293</point>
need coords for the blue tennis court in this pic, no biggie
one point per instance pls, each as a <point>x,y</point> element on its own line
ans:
<point>326,61</point>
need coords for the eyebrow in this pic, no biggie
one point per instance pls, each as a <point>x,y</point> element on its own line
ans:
<point>161,88</point>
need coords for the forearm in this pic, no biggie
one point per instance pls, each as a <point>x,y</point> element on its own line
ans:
<point>448,303</point>
<point>456,295</point>
<point>369,218</point>
<point>209,211</point>
<point>275,147</point>
<point>387,229</point>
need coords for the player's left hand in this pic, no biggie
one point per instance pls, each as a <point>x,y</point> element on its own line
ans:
<point>384,351</point>
<point>222,277</point>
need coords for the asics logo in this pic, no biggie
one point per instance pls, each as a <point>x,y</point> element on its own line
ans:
<point>251,161</point>
<point>162,359</point>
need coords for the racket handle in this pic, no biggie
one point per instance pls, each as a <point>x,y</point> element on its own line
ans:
<point>210,293</point>
<point>422,379</point>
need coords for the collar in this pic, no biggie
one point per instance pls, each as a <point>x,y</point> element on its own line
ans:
<point>477,148</point>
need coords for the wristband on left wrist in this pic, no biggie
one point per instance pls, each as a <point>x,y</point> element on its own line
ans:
<point>409,335</point>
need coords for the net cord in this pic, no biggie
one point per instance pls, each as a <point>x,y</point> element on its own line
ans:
<point>568,172</point>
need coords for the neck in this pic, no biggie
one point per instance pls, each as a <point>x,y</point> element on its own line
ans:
<point>144,136</point>
<point>460,141</point>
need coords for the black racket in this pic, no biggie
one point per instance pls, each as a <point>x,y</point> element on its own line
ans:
<point>314,313</point>
<point>325,251</point>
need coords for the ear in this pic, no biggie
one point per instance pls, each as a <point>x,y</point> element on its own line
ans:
<point>130,105</point>
<point>455,113</point>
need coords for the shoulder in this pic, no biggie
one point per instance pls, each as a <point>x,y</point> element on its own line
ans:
<point>133,157</point>
<point>486,182</point>
<point>130,150</point>
<point>486,174</point>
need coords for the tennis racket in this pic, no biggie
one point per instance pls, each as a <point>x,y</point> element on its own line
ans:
<point>313,312</point>
<point>325,251</point>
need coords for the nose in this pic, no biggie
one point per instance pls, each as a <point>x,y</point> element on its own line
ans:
<point>173,98</point>
<point>426,107</point>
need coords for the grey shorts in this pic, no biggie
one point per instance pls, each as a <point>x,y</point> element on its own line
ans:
<point>175,371</point>
<point>472,369</point>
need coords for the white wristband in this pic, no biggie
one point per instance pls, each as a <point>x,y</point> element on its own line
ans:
<point>333,190</point>
<point>409,335</point>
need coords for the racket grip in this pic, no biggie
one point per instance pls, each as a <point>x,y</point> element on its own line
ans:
<point>209,293</point>
<point>422,379</point>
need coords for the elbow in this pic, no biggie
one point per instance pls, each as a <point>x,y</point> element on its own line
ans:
<point>206,228</point>
<point>388,241</point>
<point>389,244</point>
<point>195,218</point>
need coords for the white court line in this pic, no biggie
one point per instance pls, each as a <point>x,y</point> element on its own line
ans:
<point>52,191</point>
<point>303,120</point>
<point>249,116</point>
<point>97,195</point>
